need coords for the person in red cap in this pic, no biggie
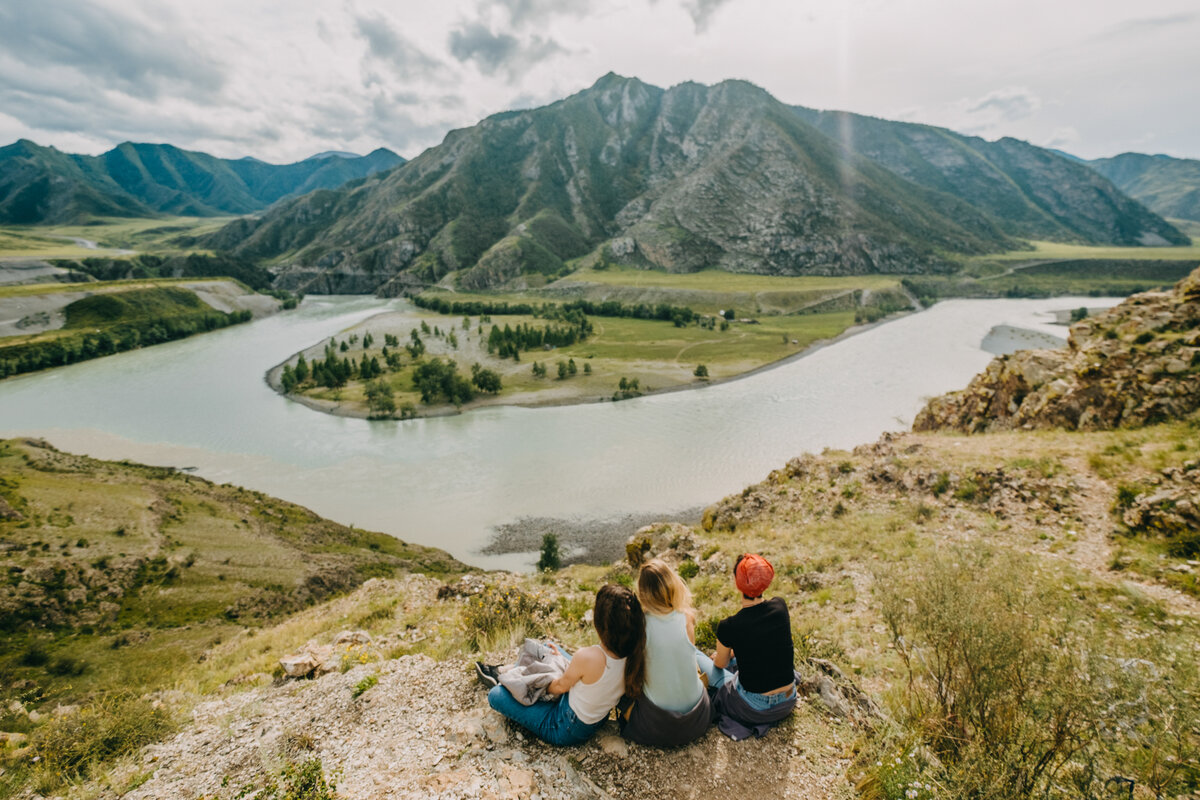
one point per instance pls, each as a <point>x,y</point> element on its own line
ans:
<point>752,671</point>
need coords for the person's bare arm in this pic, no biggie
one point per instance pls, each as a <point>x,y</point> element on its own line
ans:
<point>722,657</point>
<point>587,665</point>
<point>691,625</point>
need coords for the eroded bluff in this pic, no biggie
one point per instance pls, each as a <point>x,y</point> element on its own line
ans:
<point>1134,364</point>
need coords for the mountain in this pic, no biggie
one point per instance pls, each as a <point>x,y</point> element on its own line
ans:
<point>334,154</point>
<point>1031,191</point>
<point>42,185</point>
<point>682,179</point>
<point>1168,186</point>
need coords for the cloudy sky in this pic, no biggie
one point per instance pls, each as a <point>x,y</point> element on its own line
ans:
<point>283,79</point>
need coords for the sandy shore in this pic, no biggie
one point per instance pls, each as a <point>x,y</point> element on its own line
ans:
<point>581,541</point>
<point>563,395</point>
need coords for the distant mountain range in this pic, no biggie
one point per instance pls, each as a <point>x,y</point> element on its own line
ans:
<point>683,179</point>
<point>1030,191</point>
<point>43,185</point>
<point>1168,186</point>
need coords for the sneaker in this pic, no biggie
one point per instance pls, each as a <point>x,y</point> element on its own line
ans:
<point>489,676</point>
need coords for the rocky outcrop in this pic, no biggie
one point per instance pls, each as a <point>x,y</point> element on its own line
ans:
<point>1169,507</point>
<point>1135,364</point>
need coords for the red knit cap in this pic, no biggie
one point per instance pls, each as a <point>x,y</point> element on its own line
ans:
<point>753,575</point>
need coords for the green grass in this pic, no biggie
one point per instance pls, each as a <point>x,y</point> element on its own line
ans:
<point>25,243</point>
<point>656,353</point>
<point>1061,251</point>
<point>192,564</point>
<point>99,287</point>
<point>712,280</point>
<point>143,234</point>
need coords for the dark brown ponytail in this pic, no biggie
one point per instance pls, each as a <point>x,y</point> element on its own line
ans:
<point>621,626</point>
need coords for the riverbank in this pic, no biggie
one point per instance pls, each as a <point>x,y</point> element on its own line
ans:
<point>560,393</point>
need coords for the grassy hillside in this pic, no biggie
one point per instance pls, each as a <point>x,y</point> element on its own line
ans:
<point>888,556</point>
<point>1169,186</point>
<point>106,318</point>
<point>105,562</point>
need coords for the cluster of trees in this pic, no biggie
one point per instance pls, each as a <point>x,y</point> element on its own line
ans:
<point>81,346</point>
<point>566,369</point>
<point>680,315</point>
<point>440,380</point>
<point>332,371</point>
<point>627,388</point>
<point>193,265</point>
<point>509,341</point>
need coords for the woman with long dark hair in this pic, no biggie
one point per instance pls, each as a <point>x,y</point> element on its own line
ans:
<point>595,678</point>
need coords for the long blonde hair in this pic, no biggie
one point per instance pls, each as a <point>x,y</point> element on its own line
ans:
<point>661,590</point>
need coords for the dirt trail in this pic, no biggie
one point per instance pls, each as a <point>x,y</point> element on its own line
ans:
<point>1093,548</point>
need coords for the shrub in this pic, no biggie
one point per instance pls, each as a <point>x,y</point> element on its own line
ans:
<point>362,686</point>
<point>706,634</point>
<point>73,746</point>
<point>297,781</point>
<point>967,491</point>
<point>65,666</point>
<point>497,609</point>
<point>941,483</point>
<point>34,656</point>
<point>550,558</point>
<point>689,569</point>
<point>1126,495</point>
<point>1000,686</point>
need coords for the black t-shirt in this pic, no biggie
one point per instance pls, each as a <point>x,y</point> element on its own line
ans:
<point>761,639</point>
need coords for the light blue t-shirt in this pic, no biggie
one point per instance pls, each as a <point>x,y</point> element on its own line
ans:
<point>672,682</point>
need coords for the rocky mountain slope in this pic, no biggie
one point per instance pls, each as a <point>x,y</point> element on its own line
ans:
<point>1134,364</point>
<point>682,179</point>
<point>1168,186</point>
<point>1030,191</point>
<point>42,185</point>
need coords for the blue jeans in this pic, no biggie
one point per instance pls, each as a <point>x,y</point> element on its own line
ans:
<point>765,702</point>
<point>718,677</point>
<point>551,721</point>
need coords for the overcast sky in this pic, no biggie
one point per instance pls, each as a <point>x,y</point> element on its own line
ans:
<point>283,79</point>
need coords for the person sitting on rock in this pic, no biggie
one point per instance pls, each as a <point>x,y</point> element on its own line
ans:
<point>674,708</point>
<point>595,678</point>
<point>752,673</point>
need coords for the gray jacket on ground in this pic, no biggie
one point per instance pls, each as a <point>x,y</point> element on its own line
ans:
<point>529,679</point>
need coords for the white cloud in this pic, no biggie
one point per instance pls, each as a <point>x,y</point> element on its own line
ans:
<point>284,80</point>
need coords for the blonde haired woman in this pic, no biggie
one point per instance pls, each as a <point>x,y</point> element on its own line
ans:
<point>674,707</point>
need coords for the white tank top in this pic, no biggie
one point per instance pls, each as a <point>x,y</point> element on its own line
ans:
<point>591,702</point>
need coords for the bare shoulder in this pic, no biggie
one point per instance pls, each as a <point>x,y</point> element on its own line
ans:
<point>591,662</point>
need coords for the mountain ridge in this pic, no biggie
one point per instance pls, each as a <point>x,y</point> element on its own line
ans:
<point>1031,191</point>
<point>1167,185</point>
<point>44,185</point>
<point>681,179</point>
